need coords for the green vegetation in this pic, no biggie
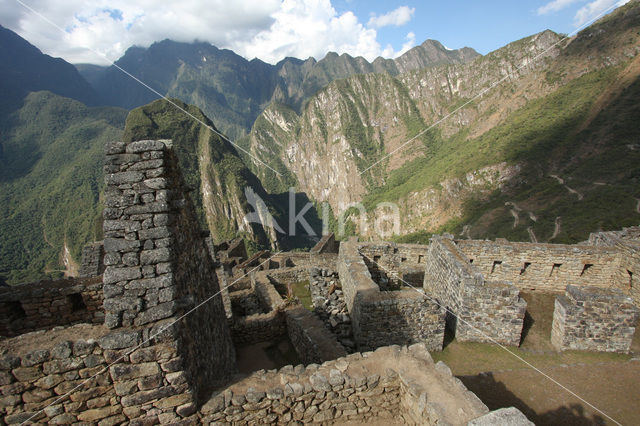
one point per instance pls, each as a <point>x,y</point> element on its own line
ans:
<point>545,137</point>
<point>202,154</point>
<point>50,183</point>
<point>300,290</point>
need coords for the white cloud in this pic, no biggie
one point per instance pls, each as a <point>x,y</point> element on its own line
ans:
<point>396,17</point>
<point>267,29</point>
<point>555,6</point>
<point>594,9</point>
<point>408,44</point>
<point>586,13</point>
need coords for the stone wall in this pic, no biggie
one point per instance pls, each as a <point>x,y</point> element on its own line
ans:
<point>45,304</point>
<point>92,264</point>
<point>158,270</point>
<point>385,318</point>
<point>627,242</point>
<point>395,265</point>
<point>593,319</point>
<point>311,340</point>
<point>548,267</point>
<point>38,378</point>
<point>266,327</point>
<point>396,383</point>
<point>478,311</point>
<point>327,244</point>
<point>308,335</point>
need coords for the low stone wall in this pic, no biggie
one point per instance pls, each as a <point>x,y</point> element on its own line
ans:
<point>282,277</point>
<point>92,264</point>
<point>384,318</point>
<point>312,341</point>
<point>35,379</point>
<point>260,261</point>
<point>265,327</point>
<point>548,267</point>
<point>392,382</point>
<point>46,304</point>
<point>593,319</point>
<point>57,378</point>
<point>327,244</point>
<point>481,311</point>
<point>397,318</point>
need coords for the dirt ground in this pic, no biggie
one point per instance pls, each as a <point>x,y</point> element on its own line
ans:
<point>501,378</point>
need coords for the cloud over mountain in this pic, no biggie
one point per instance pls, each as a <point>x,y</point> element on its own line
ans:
<point>98,32</point>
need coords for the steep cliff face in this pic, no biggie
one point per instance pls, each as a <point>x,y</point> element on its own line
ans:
<point>233,90</point>
<point>513,117</point>
<point>344,129</point>
<point>333,149</point>
<point>211,168</point>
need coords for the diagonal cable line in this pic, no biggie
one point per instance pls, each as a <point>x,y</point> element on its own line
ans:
<point>486,89</point>
<point>154,91</point>
<point>153,336</point>
<point>527,363</point>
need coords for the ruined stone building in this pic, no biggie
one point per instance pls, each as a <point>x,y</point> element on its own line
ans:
<point>148,333</point>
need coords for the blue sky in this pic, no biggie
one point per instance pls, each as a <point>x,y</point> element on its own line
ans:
<point>483,25</point>
<point>99,31</point>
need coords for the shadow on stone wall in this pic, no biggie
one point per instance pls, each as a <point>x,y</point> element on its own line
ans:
<point>526,326</point>
<point>496,395</point>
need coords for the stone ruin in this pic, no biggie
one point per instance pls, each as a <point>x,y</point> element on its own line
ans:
<point>150,331</point>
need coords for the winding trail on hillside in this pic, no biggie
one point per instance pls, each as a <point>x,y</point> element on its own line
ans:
<point>532,236</point>
<point>571,190</point>
<point>556,230</point>
<point>515,212</point>
<point>465,231</point>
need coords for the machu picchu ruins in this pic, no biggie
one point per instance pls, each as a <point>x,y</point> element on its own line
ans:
<point>150,330</point>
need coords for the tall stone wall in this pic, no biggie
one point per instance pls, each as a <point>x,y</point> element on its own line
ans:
<point>160,280</point>
<point>593,319</point>
<point>627,242</point>
<point>480,311</point>
<point>385,318</point>
<point>46,304</point>
<point>395,265</point>
<point>92,262</point>
<point>549,267</point>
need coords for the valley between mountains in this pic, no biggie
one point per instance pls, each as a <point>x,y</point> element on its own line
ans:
<point>536,141</point>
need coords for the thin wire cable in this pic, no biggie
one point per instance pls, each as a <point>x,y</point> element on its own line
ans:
<point>533,367</point>
<point>162,330</point>
<point>26,6</point>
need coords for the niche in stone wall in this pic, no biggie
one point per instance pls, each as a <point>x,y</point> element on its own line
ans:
<point>420,258</point>
<point>497,264</point>
<point>76,302</point>
<point>526,265</point>
<point>555,269</point>
<point>14,310</point>
<point>630,278</point>
<point>586,269</point>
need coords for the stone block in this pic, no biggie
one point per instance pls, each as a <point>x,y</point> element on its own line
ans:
<point>144,146</point>
<point>121,372</point>
<point>114,274</point>
<point>120,339</point>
